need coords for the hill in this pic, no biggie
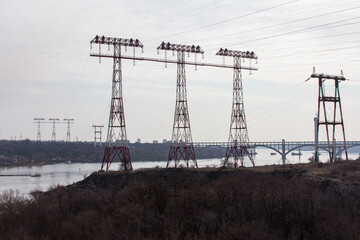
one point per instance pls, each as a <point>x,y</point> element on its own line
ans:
<point>305,201</point>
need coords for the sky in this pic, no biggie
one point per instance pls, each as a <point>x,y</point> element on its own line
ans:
<point>46,71</point>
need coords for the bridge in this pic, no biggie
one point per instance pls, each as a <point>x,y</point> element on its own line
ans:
<point>285,147</point>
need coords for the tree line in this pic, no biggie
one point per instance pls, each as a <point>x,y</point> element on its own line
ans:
<point>47,152</point>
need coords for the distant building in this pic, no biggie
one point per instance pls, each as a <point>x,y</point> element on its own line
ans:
<point>155,141</point>
<point>164,140</point>
<point>125,141</point>
<point>138,140</point>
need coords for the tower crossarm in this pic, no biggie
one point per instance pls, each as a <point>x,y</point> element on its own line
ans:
<point>325,76</point>
<point>117,41</point>
<point>235,53</point>
<point>68,120</point>
<point>330,123</point>
<point>201,64</point>
<point>36,120</point>
<point>330,99</point>
<point>54,119</point>
<point>180,48</point>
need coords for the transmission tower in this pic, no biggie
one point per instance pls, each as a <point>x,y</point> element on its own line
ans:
<point>325,101</point>
<point>97,134</point>
<point>181,140</point>
<point>238,143</point>
<point>53,136</point>
<point>182,147</point>
<point>68,121</point>
<point>117,143</point>
<point>38,121</point>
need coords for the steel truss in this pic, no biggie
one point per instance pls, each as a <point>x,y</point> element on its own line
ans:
<point>330,123</point>
<point>181,140</point>
<point>117,143</point>
<point>238,143</point>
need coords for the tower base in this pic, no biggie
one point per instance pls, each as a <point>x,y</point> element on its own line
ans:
<point>122,152</point>
<point>178,152</point>
<point>238,152</point>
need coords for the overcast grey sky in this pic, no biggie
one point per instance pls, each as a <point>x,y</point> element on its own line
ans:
<point>46,70</point>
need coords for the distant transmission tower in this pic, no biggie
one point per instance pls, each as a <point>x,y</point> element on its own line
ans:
<point>38,121</point>
<point>97,134</point>
<point>68,121</point>
<point>53,136</point>
<point>323,119</point>
<point>238,143</point>
<point>117,143</point>
<point>181,140</point>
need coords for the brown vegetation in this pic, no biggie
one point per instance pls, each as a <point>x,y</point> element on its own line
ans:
<point>309,201</point>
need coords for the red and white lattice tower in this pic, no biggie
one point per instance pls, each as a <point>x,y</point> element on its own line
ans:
<point>238,143</point>
<point>117,143</point>
<point>181,141</point>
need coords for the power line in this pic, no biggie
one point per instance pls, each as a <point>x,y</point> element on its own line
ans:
<point>314,52</point>
<point>309,46</point>
<point>224,21</point>
<point>294,32</point>
<point>277,25</point>
<point>187,13</point>
<point>302,40</point>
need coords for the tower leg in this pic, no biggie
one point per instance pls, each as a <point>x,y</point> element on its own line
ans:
<point>283,153</point>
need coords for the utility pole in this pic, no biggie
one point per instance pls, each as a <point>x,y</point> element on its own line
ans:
<point>97,134</point>
<point>326,101</point>
<point>53,136</point>
<point>181,140</point>
<point>38,121</point>
<point>238,143</point>
<point>117,143</point>
<point>69,121</point>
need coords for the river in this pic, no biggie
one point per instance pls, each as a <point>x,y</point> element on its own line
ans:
<point>65,174</point>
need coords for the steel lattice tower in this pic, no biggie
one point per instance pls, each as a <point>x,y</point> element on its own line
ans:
<point>330,122</point>
<point>117,143</point>
<point>53,136</point>
<point>38,134</point>
<point>181,140</point>
<point>97,134</point>
<point>238,143</point>
<point>68,121</point>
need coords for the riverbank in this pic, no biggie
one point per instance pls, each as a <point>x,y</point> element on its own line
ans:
<point>303,201</point>
<point>34,153</point>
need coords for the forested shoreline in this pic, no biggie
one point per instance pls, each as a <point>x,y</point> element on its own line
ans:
<point>26,152</point>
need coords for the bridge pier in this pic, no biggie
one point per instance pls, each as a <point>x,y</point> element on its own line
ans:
<point>334,151</point>
<point>283,153</point>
